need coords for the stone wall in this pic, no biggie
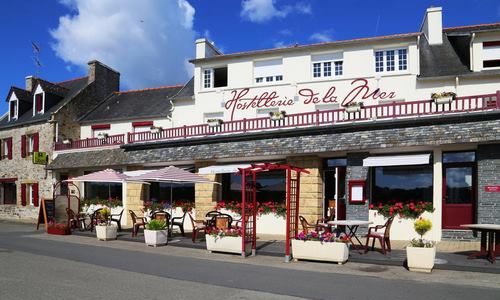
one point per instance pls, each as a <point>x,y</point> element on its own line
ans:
<point>136,193</point>
<point>356,171</point>
<point>488,169</point>
<point>19,213</point>
<point>206,194</point>
<point>311,186</point>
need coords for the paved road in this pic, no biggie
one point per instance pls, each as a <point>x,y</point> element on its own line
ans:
<point>37,266</point>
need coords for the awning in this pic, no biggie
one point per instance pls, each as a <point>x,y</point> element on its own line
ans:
<point>222,169</point>
<point>397,160</point>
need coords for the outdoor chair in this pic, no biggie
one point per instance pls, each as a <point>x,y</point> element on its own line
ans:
<point>162,215</point>
<point>222,221</point>
<point>382,236</point>
<point>198,226</point>
<point>179,222</point>
<point>306,226</point>
<point>209,218</point>
<point>137,222</point>
<point>331,217</point>
<point>95,219</point>
<point>117,217</point>
<point>74,220</point>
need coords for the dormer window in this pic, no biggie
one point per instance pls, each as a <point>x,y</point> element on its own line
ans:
<point>39,103</point>
<point>13,111</point>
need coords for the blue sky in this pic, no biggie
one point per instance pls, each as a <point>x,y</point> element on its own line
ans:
<point>150,41</point>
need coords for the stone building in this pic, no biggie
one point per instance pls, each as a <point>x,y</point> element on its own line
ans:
<point>406,118</point>
<point>40,115</point>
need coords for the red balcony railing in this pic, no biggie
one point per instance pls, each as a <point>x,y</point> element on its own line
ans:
<point>92,142</point>
<point>392,110</point>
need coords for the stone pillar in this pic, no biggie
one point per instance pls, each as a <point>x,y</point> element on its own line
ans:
<point>356,171</point>
<point>136,194</point>
<point>206,194</point>
<point>437,191</point>
<point>488,173</point>
<point>311,186</point>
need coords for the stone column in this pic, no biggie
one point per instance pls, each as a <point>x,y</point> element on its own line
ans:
<point>356,171</point>
<point>206,194</point>
<point>437,192</point>
<point>488,173</point>
<point>136,194</point>
<point>311,186</point>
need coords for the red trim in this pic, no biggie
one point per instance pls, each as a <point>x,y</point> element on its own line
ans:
<point>9,146</point>
<point>142,124</point>
<point>491,44</point>
<point>23,146</point>
<point>354,183</point>
<point>23,194</point>
<point>101,126</point>
<point>36,142</point>
<point>35,194</point>
<point>8,179</point>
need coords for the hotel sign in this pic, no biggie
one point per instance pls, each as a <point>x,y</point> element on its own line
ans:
<point>492,188</point>
<point>40,158</point>
<point>360,92</point>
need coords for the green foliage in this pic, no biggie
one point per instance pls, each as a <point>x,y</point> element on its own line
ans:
<point>111,202</point>
<point>410,210</point>
<point>156,225</point>
<point>105,213</point>
<point>422,226</point>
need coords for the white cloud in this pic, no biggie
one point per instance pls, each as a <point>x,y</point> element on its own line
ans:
<point>148,42</point>
<point>323,36</point>
<point>261,11</point>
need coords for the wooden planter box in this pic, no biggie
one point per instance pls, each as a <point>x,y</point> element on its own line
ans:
<point>316,250</point>
<point>58,231</point>
<point>420,259</point>
<point>106,232</point>
<point>230,244</point>
<point>155,237</point>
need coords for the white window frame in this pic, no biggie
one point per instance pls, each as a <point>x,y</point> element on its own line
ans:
<point>16,111</point>
<point>327,68</point>
<point>30,143</point>
<point>5,149</point>
<point>38,91</point>
<point>271,78</point>
<point>204,81</point>
<point>29,194</point>
<point>396,63</point>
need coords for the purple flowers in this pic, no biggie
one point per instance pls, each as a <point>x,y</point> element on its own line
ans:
<point>322,236</point>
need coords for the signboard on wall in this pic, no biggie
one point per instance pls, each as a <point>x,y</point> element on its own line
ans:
<point>40,158</point>
<point>492,188</point>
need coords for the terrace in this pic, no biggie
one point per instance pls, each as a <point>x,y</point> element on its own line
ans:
<point>388,111</point>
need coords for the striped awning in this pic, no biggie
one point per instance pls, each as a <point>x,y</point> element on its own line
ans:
<point>108,175</point>
<point>171,174</point>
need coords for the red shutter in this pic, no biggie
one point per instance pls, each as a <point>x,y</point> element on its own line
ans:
<point>23,194</point>
<point>35,194</point>
<point>9,146</point>
<point>23,146</point>
<point>35,142</point>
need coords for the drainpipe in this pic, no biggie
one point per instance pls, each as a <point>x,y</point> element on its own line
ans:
<point>471,51</point>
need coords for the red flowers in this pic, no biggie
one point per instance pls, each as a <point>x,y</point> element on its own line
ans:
<point>263,208</point>
<point>404,210</point>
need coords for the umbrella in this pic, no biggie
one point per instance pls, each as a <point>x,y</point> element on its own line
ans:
<point>171,174</point>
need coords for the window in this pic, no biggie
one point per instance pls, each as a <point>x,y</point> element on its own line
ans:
<point>391,60</point>
<point>163,192</point>
<point>143,126</point>
<point>214,78</point>
<point>29,194</point>
<point>454,157</point>
<point>271,186</point>
<point>30,139</point>
<point>326,65</point>
<point>29,144</point>
<point>9,192</point>
<point>401,184</point>
<point>491,54</point>
<point>268,71</point>
<point>102,190</point>
<point>4,149</point>
<point>100,130</point>
<point>39,103</point>
<point>13,109</point>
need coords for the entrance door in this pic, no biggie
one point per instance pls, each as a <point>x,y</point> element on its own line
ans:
<point>458,195</point>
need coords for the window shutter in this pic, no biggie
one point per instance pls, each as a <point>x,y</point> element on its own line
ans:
<point>9,148</point>
<point>23,146</point>
<point>35,142</point>
<point>35,194</point>
<point>23,194</point>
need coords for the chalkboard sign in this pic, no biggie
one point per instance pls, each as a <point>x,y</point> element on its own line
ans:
<point>47,212</point>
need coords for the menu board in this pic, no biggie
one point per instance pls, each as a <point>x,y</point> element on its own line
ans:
<point>47,212</point>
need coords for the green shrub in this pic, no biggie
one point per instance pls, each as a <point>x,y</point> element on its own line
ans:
<point>156,225</point>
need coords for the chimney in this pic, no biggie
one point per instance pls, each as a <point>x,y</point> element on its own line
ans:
<point>432,26</point>
<point>205,48</point>
<point>29,83</point>
<point>105,79</point>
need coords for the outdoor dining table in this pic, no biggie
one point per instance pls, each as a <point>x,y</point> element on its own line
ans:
<point>490,240</point>
<point>352,226</point>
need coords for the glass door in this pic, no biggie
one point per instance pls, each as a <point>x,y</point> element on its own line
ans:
<point>458,195</point>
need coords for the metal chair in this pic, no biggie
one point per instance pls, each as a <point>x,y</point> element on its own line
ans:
<point>137,222</point>
<point>74,220</point>
<point>383,237</point>
<point>198,226</point>
<point>179,222</point>
<point>117,218</point>
<point>306,226</point>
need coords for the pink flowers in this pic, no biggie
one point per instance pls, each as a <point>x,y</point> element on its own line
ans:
<point>324,237</point>
<point>404,210</point>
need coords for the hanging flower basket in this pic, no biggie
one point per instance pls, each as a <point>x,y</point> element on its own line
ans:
<point>214,122</point>
<point>354,107</point>
<point>443,98</point>
<point>156,129</point>
<point>277,115</point>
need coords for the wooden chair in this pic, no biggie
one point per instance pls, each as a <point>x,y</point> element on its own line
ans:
<point>137,222</point>
<point>382,236</point>
<point>306,226</point>
<point>198,226</point>
<point>117,218</point>
<point>179,222</point>
<point>74,220</point>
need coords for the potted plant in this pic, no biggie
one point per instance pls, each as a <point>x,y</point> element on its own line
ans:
<point>156,233</point>
<point>443,98</point>
<point>324,246</point>
<point>420,253</point>
<point>225,240</point>
<point>58,228</point>
<point>353,107</point>
<point>214,122</point>
<point>105,230</point>
<point>277,115</point>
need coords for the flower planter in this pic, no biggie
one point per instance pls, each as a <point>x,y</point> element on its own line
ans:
<point>58,231</point>
<point>420,259</point>
<point>230,244</point>
<point>214,123</point>
<point>155,237</point>
<point>353,108</point>
<point>443,100</point>
<point>106,232</point>
<point>316,250</point>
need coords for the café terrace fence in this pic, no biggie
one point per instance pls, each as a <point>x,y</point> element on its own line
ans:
<point>392,110</point>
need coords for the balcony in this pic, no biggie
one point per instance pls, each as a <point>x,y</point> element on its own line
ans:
<point>393,110</point>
